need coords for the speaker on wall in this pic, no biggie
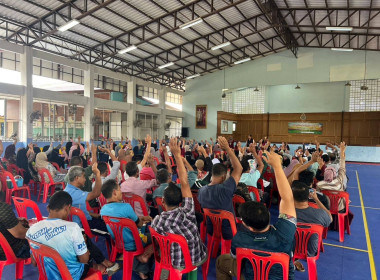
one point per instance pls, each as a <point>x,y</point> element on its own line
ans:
<point>185,132</point>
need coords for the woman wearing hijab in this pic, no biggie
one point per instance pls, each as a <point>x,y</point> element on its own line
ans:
<point>42,163</point>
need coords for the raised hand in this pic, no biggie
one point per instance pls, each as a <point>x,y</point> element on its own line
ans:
<point>223,143</point>
<point>272,159</point>
<point>95,169</point>
<point>174,146</point>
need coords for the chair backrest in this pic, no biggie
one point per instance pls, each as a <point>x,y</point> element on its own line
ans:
<point>255,192</point>
<point>335,198</point>
<point>22,204</point>
<point>56,166</point>
<point>313,205</point>
<point>262,262</point>
<point>117,225</point>
<point>162,245</point>
<point>132,199</point>
<point>261,183</point>
<point>159,204</point>
<point>4,176</point>
<point>9,254</point>
<point>78,212</point>
<point>216,217</point>
<point>43,171</point>
<point>236,201</point>
<point>40,252</point>
<point>157,160</point>
<point>102,200</point>
<point>303,235</point>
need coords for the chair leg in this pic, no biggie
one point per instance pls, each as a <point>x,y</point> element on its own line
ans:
<point>19,269</point>
<point>347,225</point>
<point>312,268</point>
<point>46,190</point>
<point>157,271</point>
<point>127,265</point>
<point>206,265</point>
<point>341,227</point>
<point>39,192</point>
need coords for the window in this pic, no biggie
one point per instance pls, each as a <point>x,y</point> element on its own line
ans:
<point>146,96</point>
<point>364,100</point>
<point>244,101</point>
<point>173,101</point>
<point>173,127</point>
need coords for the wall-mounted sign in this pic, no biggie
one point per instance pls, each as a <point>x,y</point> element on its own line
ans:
<point>304,128</point>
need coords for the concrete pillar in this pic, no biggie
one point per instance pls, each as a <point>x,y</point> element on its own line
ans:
<point>131,114</point>
<point>25,132</point>
<point>162,116</point>
<point>89,107</point>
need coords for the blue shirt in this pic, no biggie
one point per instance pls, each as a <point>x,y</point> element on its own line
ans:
<point>121,210</point>
<point>279,238</point>
<point>219,197</point>
<point>79,201</point>
<point>64,237</point>
<point>250,179</point>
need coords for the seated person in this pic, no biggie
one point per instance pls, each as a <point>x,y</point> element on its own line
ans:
<point>80,198</point>
<point>261,235</point>
<point>218,194</point>
<point>103,167</point>
<point>309,215</point>
<point>247,177</point>
<point>42,163</point>
<point>13,229</point>
<point>68,240</point>
<point>182,218</point>
<point>115,207</point>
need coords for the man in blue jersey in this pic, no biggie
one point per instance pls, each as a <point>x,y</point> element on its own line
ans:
<point>66,238</point>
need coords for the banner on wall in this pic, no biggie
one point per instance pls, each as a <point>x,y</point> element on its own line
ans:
<point>304,128</point>
<point>201,116</point>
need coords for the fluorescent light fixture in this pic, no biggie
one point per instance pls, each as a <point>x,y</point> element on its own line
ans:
<point>166,65</point>
<point>191,23</point>
<point>224,89</point>
<point>130,48</point>
<point>68,25</point>
<point>242,60</point>
<point>221,46</point>
<point>339,28</point>
<point>193,76</point>
<point>342,49</point>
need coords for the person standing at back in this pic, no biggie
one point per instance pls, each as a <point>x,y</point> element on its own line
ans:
<point>218,194</point>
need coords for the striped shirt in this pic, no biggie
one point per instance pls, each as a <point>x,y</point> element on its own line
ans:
<point>182,221</point>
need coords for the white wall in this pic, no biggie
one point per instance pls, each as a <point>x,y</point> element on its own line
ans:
<point>321,74</point>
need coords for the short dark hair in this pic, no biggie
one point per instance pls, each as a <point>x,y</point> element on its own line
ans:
<point>172,195</point>
<point>77,160</point>
<point>245,164</point>
<point>102,166</point>
<point>300,191</point>
<point>325,158</point>
<point>59,200</point>
<point>75,153</point>
<point>286,161</point>
<point>108,187</point>
<point>219,169</point>
<point>306,177</point>
<point>131,168</point>
<point>162,166</point>
<point>162,176</point>
<point>254,215</point>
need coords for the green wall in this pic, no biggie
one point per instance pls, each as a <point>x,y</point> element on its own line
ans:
<point>321,74</point>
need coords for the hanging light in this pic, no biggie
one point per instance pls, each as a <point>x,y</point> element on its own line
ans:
<point>364,87</point>
<point>348,84</point>
<point>256,89</point>
<point>297,87</point>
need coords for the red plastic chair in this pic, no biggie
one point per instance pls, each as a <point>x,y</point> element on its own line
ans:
<point>117,225</point>
<point>262,262</point>
<point>3,177</point>
<point>40,252</point>
<point>213,241</point>
<point>11,258</point>
<point>13,168</point>
<point>159,204</point>
<point>87,230</point>
<point>261,183</point>
<point>22,204</point>
<point>56,166</point>
<point>33,183</point>
<point>303,234</point>
<point>45,185</point>
<point>335,198</point>
<point>132,199</point>
<point>102,200</point>
<point>198,209</point>
<point>172,161</point>
<point>162,247</point>
<point>255,192</point>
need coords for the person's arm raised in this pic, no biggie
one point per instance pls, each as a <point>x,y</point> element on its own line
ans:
<point>94,150</point>
<point>260,164</point>
<point>182,174</point>
<point>287,201</point>
<point>314,158</point>
<point>236,173</point>
<point>148,141</point>
<point>314,196</point>
<point>98,183</point>
<point>167,160</point>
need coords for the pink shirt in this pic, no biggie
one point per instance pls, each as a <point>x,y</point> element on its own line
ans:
<point>139,187</point>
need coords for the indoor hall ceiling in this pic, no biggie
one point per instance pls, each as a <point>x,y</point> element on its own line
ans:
<point>254,28</point>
